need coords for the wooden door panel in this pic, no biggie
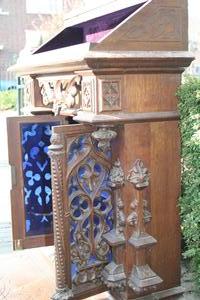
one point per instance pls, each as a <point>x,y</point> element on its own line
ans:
<point>31,203</point>
<point>83,209</point>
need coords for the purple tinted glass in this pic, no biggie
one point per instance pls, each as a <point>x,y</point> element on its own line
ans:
<point>90,31</point>
<point>96,29</point>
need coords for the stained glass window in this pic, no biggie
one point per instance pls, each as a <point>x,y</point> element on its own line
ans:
<point>89,196</point>
<point>35,139</point>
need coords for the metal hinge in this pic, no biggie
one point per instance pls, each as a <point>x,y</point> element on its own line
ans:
<point>18,245</point>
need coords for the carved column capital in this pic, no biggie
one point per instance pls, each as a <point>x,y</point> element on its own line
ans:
<point>104,136</point>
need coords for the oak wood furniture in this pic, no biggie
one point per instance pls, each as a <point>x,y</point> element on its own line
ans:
<point>116,170</point>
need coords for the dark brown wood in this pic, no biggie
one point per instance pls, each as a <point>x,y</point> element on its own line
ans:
<point>20,240</point>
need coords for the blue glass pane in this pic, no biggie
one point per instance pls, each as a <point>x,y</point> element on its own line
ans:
<point>35,139</point>
<point>77,147</point>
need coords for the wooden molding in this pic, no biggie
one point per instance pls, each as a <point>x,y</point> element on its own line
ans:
<point>83,58</point>
<point>125,118</point>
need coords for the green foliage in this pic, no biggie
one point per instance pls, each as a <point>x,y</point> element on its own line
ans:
<point>189,106</point>
<point>8,99</point>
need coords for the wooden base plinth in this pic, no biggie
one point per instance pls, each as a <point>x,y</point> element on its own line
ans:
<point>165,294</point>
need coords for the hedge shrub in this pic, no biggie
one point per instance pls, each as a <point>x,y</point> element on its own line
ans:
<point>189,106</point>
<point>8,99</point>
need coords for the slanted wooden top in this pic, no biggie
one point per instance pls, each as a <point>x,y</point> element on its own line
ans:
<point>115,35</point>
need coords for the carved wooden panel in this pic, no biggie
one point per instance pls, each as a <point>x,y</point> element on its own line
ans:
<point>32,95</point>
<point>88,93</point>
<point>159,25</point>
<point>87,213</point>
<point>110,94</point>
<point>162,26</point>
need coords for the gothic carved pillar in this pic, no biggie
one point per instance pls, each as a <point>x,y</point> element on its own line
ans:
<point>61,234</point>
<point>113,274</point>
<point>142,277</point>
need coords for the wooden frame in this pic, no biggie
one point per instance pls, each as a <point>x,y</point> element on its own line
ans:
<point>20,240</point>
<point>58,154</point>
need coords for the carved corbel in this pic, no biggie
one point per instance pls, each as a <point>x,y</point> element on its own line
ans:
<point>142,277</point>
<point>104,136</point>
<point>57,154</point>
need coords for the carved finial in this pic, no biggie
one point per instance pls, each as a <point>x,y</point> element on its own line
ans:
<point>139,175</point>
<point>56,146</point>
<point>56,139</point>
<point>104,136</point>
<point>116,177</point>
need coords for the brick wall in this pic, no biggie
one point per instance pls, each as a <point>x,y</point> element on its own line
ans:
<point>12,33</point>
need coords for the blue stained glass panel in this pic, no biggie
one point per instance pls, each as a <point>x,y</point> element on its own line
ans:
<point>90,203</point>
<point>35,139</point>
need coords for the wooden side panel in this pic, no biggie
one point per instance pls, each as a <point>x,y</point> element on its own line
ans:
<point>165,189</point>
<point>157,145</point>
<point>150,92</point>
<point>158,25</point>
<point>20,239</point>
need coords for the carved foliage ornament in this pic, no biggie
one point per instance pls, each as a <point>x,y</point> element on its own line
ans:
<point>87,94</point>
<point>62,94</point>
<point>132,218</point>
<point>116,177</point>
<point>139,175</point>
<point>116,180</point>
